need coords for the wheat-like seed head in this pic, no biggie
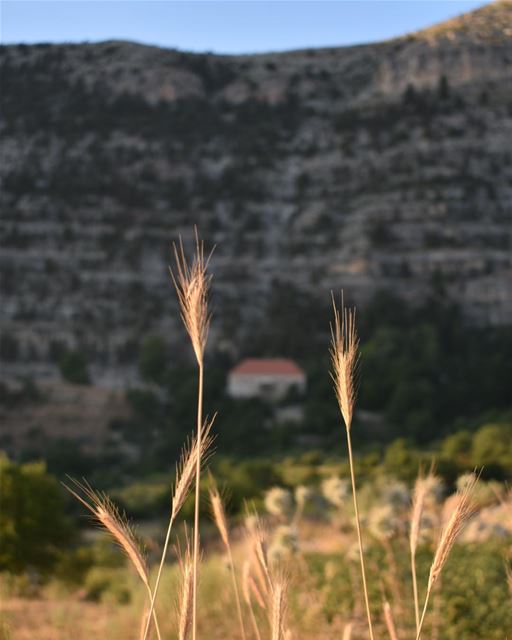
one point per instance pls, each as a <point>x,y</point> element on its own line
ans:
<point>115,522</point>
<point>260,583</point>
<point>192,285</point>
<point>463,511</point>
<point>421,487</point>
<point>255,590</point>
<point>256,538</point>
<point>186,592</point>
<point>219,515</point>
<point>250,588</point>
<point>186,469</point>
<point>345,360</point>
<point>279,592</point>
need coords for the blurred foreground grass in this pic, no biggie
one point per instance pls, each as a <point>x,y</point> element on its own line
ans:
<point>472,603</point>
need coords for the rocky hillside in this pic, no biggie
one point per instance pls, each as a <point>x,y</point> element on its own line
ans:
<point>379,166</point>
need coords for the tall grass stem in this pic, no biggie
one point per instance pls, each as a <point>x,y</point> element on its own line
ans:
<point>422,619</point>
<point>237,593</point>
<point>159,575</point>
<point>415,591</point>
<point>359,536</point>
<point>195,555</point>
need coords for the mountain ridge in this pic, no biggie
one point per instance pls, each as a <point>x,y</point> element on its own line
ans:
<point>379,166</point>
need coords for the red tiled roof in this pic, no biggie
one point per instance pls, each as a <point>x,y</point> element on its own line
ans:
<point>270,366</point>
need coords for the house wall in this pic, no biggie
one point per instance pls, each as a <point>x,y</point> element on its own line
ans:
<point>263,385</point>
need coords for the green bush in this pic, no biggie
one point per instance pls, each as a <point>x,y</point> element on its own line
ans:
<point>74,565</point>
<point>457,447</point>
<point>492,448</point>
<point>401,461</point>
<point>474,602</point>
<point>105,584</point>
<point>145,499</point>
<point>245,480</point>
<point>492,444</point>
<point>33,525</point>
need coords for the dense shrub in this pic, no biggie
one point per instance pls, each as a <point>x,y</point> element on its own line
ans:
<point>33,525</point>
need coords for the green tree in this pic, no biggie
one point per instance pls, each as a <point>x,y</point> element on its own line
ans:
<point>401,461</point>
<point>492,448</point>
<point>457,446</point>
<point>73,367</point>
<point>153,359</point>
<point>443,88</point>
<point>33,525</point>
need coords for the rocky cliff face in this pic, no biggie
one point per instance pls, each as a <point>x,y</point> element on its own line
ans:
<point>368,167</point>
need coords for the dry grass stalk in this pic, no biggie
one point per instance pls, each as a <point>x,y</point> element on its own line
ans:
<point>142,628</point>
<point>347,631</point>
<point>508,572</point>
<point>389,620</point>
<point>185,598</point>
<point>261,583</point>
<point>278,607</point>
<point>259,551</point>
<point>463,511</point>
<point>418,503</point>
<point>507,560</point>
<point>192,285</point>
<point>345,363</point>
<point>185,473</point>
<point>436,614</point>
<point>219,515</point>
<point>248,587</point>
<point>108,515</point>
<point>393,575</point>
<point>251,587</point>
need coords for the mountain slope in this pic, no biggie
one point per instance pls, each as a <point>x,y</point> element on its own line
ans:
<point>368,167</point>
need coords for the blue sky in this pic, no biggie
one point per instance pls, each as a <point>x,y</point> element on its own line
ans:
<point>237,26</point>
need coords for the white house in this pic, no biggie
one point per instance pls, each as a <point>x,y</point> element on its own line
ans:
<point>271,377</point>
